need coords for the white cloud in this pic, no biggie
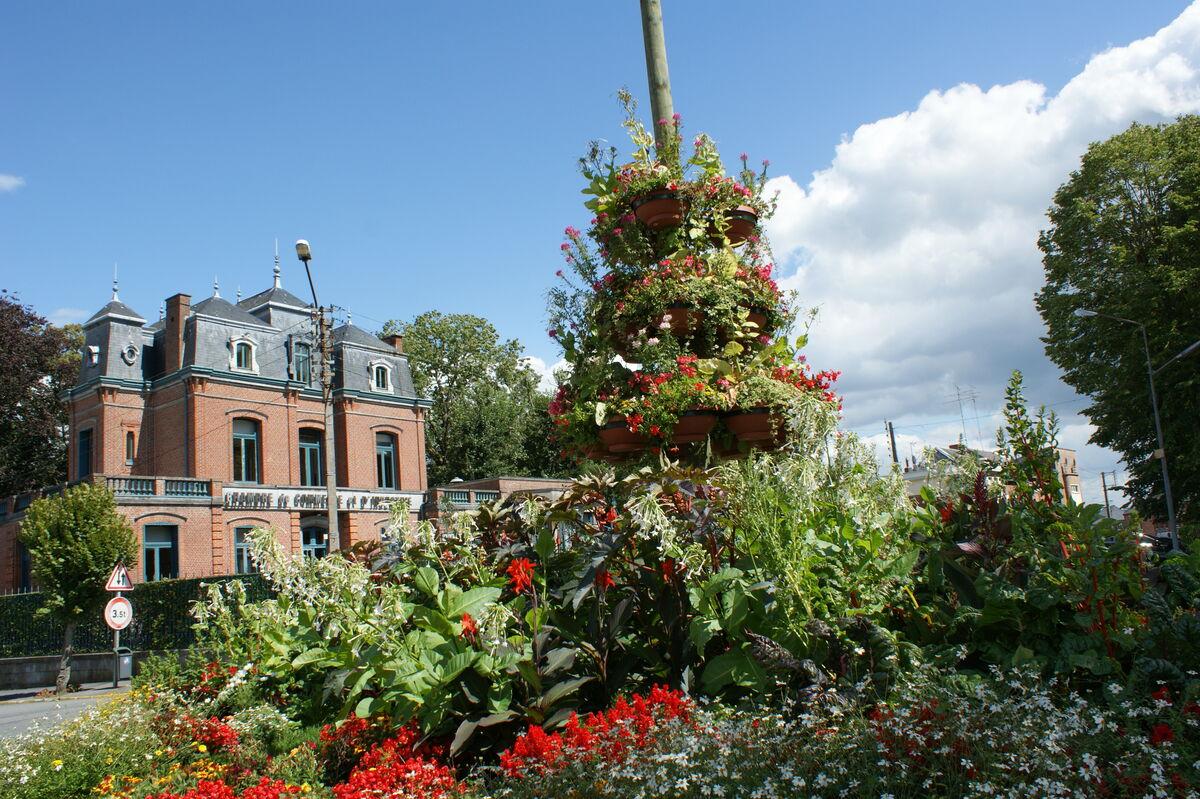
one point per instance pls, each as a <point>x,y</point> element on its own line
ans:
<point>919,241</point>
<point>62,316</point>
<point>10,182</point>
<point>547,382</point>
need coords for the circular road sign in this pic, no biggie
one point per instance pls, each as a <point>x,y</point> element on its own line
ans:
<point>118,613</point>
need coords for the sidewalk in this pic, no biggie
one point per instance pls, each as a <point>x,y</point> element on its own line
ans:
<point>20,709</point>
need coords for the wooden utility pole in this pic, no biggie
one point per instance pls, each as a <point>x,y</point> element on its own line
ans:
<point>1104,488</point>
<point>326,333</point>
<point>656,67</point>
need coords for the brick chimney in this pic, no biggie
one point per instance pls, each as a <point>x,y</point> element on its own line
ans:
<point>178,308</point>
<point>396,341</point>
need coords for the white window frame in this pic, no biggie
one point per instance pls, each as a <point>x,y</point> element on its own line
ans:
<point>234,342</point>
<point>387,367</point>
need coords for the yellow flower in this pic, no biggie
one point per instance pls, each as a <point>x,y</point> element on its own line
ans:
<point>201,748</point>
<point>305,788</point>
<point>57,764</point>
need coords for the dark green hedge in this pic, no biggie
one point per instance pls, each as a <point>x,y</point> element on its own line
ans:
<point>161,619</point>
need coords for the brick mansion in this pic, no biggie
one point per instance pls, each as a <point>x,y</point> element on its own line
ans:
<point>210,422</point>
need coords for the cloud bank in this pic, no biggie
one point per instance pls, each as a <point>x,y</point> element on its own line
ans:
<point>10,182</point>
<point>919,241</point>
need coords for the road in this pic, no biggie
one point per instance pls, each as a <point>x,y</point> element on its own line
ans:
<point>20,710</point>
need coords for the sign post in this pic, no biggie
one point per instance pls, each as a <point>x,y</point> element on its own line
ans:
<point>118,613</point>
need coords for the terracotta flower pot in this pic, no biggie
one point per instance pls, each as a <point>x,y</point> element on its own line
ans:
<point>617,436</point>
<point>659,209</point>
<point>759,426</point>
<point>693,426</point>
<point>683,320</point>
<point>740,224</point>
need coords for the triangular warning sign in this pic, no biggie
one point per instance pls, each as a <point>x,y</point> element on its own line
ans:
<point>119,579</point>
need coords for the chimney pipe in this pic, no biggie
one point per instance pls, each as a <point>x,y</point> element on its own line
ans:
<point>178,308</point>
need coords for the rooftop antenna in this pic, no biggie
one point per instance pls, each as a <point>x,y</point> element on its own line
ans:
<point>277,262</point>
<point>115,298</point>
<point>162,310</point>
<point>216,287</point>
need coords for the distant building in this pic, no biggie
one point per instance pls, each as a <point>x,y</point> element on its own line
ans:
<point>917,474</point>
<point>209,422</point>
<point>470,494</point>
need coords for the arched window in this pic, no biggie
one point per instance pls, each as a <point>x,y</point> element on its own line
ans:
<point>385,460</point>
<point>312,465</point>
<point>381,377</point>
<point>242,355</point>
<point>245,451</point>
<point>129,448</point>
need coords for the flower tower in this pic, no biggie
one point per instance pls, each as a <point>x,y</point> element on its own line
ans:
<point>674,328</point>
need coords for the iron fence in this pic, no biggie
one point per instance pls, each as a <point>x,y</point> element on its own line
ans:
<point>161,619</point>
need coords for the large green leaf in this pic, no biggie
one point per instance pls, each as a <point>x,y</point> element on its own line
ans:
<point>735,667</point>
<point>426,580</point>
<point>472,601</point>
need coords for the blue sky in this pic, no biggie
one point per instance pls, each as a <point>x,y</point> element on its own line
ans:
<point>428,151</point>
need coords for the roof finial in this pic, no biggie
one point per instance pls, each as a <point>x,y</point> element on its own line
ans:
<point>115,297</point>
<point>276,263</point>
<point>349,317</point>
<point>239,293</point>
<point>162,310</point>
<point>216,287</point>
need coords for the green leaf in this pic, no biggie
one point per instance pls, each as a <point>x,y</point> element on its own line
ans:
<point>363,708</point>
<point>735,667</point>
<point>316,655</point>
<point>426,580</point>
<point>455,666</point>
<point>544,546</point>
<point>472,602</point>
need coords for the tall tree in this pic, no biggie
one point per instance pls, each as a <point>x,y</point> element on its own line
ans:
<point>74,540</point>
<point>37,360</point>
<point>1124,240</point>
<point>486,403</point>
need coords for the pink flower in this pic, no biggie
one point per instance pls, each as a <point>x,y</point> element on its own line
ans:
<point>559,273</point>
<point>766,163</point>
<point>553,333</point>
<point>744,157</point>
<point>676,117</point>
<point>564,246</point>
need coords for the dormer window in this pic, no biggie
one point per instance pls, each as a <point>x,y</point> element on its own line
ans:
<point>242,355</point>
<point>93,355</point>
<point>381,377</point>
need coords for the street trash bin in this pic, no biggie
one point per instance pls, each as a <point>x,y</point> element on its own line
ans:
<point>124,664</point>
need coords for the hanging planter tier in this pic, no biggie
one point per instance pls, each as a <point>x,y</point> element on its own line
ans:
<point>659,209</point>
<point>681,321</point>
<point>759,426</point>
<point>739,226</point>
<point>618,438</point>
<point>693,426</point>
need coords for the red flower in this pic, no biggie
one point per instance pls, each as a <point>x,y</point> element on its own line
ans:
<point>603,580</point>
<point>947,514</point>
<point>1162,694</point>
<point>520,573</point>
<point>470,630</point>
<point>1161,733</point>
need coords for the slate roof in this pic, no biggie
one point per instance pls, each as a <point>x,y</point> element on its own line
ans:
<point>349,334</point>
<point>277,295</point>
<point>115,308</point>
<point>222,308</point>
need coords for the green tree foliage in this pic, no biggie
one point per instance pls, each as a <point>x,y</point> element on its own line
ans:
<point>488,417</point>
<point>74,540</point>
<point>37,360</point>
<point>1124,240</point>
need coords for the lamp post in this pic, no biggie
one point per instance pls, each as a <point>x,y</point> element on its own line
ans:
<point>1161,452</point>
<point>304,253</point>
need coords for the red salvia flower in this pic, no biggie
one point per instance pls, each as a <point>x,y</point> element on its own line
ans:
<point>1161,734</point>
<point>603,580</point>
<point>470,630</point>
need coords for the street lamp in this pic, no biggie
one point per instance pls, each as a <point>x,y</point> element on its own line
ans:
<point>304,253</point>
<point>1161,452</point>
